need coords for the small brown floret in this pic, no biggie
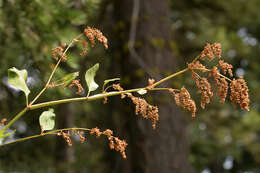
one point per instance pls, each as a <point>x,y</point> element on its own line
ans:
<point>217,49</point>
<point>197,66</point>
<point>207,52</point>
<point>146,110</point>
<point>78,85</point>
<point>222,89</point>
<point>95,131</point>
<point>184,100</point>
<point>92,33</point>
<point>226,67</point>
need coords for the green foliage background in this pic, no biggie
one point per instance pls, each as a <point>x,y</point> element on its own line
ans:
<point>30,29</point>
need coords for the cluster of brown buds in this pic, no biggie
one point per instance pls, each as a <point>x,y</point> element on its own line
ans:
<point>78,85</point>
<point>114,142</point>
<point>238,87</point>
<point>141,106</point>
<point>93,33</point>
<point>58,53</point>
<point>66,137</point>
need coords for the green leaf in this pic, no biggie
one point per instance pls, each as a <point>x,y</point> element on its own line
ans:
<point>142,91</point>
<point>69,77</point>
<point>109,80</point>
<point>17,78</point>
<point>89,77</point>
<point>47,120</point>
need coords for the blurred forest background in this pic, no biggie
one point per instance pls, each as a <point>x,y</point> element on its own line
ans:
<point>146,38</point>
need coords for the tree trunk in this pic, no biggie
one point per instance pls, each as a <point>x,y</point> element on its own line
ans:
<point>64,153</point>
<point>144,27</point>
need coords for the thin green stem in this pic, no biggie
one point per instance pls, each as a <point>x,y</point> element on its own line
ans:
<point>54,69</point>
<point>169,77</point>
<point>13,120</point>
<point>53,132</point>
<point>203,69</point>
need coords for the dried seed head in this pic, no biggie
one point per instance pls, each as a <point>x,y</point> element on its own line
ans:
<point>184,100</point>
<point>197,65</point>
<point>146,110</point>
<point>226,67</point>
<point>204,88</point>
<point>222,89</point>
<point>78,85</point>
<point>95,131</point>
<point>217,49</point>
<point>239,93</point>
<point>108,132</point>
<point>92,33</point>
<point>207,51</point>
<point>57,53</point>
<point>82,139</point>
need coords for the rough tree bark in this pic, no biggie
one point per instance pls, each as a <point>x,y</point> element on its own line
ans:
<point>147,26</point>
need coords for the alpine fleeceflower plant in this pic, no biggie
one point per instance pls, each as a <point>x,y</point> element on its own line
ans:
<point>204,79</point>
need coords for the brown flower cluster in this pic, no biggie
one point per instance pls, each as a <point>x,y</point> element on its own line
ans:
<point>239,93</point>
<point>220,82</point>
<point>57,53</point>
<point>204,88</point>
<point>226,67</point>
<point>141,106</point>
<point>239,90</point>
<point>66,137</point>
<point>183,99</point>
<point>93,33</point>
<point>145,109</point>
<point>78,85</point>
<point>209,51</point>
<point>114,142</point>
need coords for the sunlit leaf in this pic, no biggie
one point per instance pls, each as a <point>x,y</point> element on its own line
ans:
<point>17,78</point>
<point>89,77</point>
<point>142,91</point>
<point>47,120</point>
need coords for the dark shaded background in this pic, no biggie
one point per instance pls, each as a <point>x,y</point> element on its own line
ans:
<point>146,38</point>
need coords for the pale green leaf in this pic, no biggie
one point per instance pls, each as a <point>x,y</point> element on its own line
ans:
<point>17,78</point>
<point>142,91</point>
<point>109,80</point>
<point>47,120</point>
<point>89,77</point>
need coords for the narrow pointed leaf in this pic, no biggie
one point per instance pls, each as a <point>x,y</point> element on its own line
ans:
<point>109,80</point>
<point>69,77</point>
<point>89,77</point>
<point>17,78</point>
<point>47,120</point>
